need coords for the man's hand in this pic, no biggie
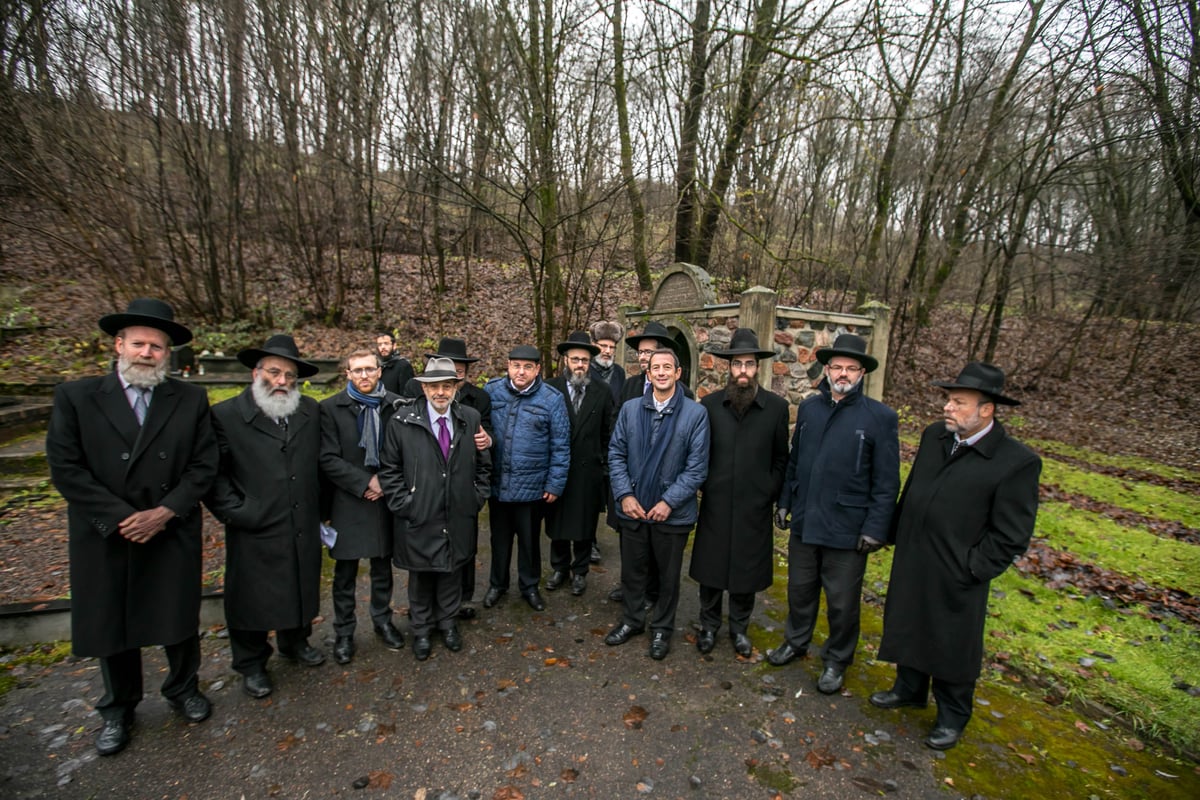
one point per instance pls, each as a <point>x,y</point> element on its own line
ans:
<point>659,513</point>
<point>373,491</point>
<point>631,508</point>
<point>482,440</point>
<point>868,545</point>
<point>781,518</point>
<point>141,526</point>
<point>549,498</point>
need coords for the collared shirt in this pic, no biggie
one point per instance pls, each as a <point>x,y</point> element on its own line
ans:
<point>975,437</point>
<point>131,392</point>
<point>434,417</point>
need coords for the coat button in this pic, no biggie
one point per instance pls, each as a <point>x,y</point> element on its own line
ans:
<point>164,487</point>
<point>162,454</point>
<point>124,456</point>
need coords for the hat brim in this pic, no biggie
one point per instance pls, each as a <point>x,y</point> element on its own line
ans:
<point>437,376</point>
<point>112,324</point>
<point>743,351</point>
<point>458,359</point>
<point>996,398</point>
<point>633,341</point>
<point>825,353</point>
<point>252,355</point>
<point>563,347</point>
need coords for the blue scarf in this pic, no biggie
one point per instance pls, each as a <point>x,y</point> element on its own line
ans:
<point>369,429</point>
<point>654,440</point>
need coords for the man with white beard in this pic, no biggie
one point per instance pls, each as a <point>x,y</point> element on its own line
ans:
<point>268,495</point>
<point>133,452</point>
<point>607,336</point>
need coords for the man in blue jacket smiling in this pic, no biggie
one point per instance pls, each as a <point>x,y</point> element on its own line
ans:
<point>532,455</point>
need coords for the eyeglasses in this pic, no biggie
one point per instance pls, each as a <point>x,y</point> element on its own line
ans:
<point>853,370</point>
<point>743,365</point>
<point>647,352</point>
<point>579,360</point>
<point>274,372</point>
<point>363,372</point>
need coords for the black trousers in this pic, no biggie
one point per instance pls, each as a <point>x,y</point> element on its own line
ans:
<point>571,556</point>
<point>433,600</point>
<point>651,549</point>
<point>811,569</point>
<point>954,700</point>
<point>345,581</point>
<point>521,520</point>
<point>122,672</point>
<point>741,606</point>
<point>251,650</point>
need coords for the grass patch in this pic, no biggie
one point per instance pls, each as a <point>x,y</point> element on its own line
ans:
<point>1165,471</point>
<point>218,393</point>
<point>16,662</point>
<point>1143,498</point>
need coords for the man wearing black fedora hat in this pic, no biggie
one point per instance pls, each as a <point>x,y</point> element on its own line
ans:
<point>132,453</point>
<point>268,495</point>
<point>967,511</point>
<point>571,521</point>
<point>843,473</point>
<point>653,336</point>
<point>735,543</point>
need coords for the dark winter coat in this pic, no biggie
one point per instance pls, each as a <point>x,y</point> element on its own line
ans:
<point>735,538</point>
<point>397,372</point>
<point>434,501</point>
<point>268,495</point>
<point>843,472</point>
<point>364,526</point>
<point>106,467</point>
<point>574,515</point>
<point>961,521</point>
<point>531,453</point>
<point>613,378</point>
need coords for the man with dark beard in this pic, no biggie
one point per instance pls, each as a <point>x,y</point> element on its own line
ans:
<point>571,522</point>
<point>397,371</point>
<point>840,489</point>
<point>747,455</point>
<point>132,453</point>
<point>268,496</point>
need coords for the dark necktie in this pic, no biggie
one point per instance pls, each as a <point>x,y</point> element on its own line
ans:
<point>444,438</point>
<point>577,398</point>
<point>954,447</point>
<point>140,404</point>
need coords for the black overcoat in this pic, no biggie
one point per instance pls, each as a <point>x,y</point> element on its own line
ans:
<point>961,521</point>
<point>435,501</point>
<point>364,526</point>
<point>574,516</point>
<point>734,545</point>
<point>268,495</point>
<point>106,467</point>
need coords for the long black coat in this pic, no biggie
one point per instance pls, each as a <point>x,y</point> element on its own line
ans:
<point>435,501</point>
<point>268,495</point>
<point>961,521</point>
<point>126,595</point>
<point>734,544</point>
<point>574,516</point>
<point>364,526</point>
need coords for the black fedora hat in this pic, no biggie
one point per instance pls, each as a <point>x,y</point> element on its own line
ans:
<point>744,342</point>
<point>579,340</point>
<point>982,377</point>
<point>453,349</point>
<point>152,314</point>
<point>653,330</point>
<point>850,346</point>
<point>280,345</point>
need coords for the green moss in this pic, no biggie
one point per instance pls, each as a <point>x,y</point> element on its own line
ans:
<point>1052,448</point>
<point>778,778</point>
<point>34,656</point>
<point>1153,501</point>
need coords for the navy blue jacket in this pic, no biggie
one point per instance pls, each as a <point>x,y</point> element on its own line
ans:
<point>843,472</point>
<point>532,441</point>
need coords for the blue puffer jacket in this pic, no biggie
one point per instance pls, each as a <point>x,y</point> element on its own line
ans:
<point>532,433</point>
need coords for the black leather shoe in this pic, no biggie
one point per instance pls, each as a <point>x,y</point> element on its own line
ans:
<point>594,558</point>
<point>468,612</point>
<point>492,597</point>
<point>831,679</point>
<point>557,579</point>
<point>621,634</point>
<point>422,647</point>
<point>784,654</point>
<point>706,641</point>
<point>534,598</point>
<point>453,639</point>
<point>890,699</point>
<point>616,595</point>
<point>741,644</point>
<point>305,654</point>
<point>257,685</point>
<point>343,649</point>
<point>578,585</point>
<point>194,708</point>
<point>112,737</point>
<point>943,738</point>
<point>390,635</point>
<point>660,645</point>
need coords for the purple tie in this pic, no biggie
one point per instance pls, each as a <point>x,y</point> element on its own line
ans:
<point>444,438</point>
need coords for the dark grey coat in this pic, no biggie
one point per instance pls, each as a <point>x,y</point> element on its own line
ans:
<point>268,495</point>
<point>961,521</point>
<point>364,527</point>
<point>574,516</point>
<point>734,544</point>
<point>106,467</point>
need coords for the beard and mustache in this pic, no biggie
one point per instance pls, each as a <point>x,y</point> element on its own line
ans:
<point>274,405</point>
<point>578,381</point>
<point>740,396</point>
<point>141,375</point>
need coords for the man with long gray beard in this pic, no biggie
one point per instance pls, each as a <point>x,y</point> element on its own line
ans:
<point>607,337</point>
<point>842,478</point>
<point>133,452</point>
<point>267,494</point>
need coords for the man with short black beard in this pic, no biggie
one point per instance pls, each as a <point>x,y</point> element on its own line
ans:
<point>840,489</point>
<point>132,452</point>
<point>734,547</point>
<point>267,494</point>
